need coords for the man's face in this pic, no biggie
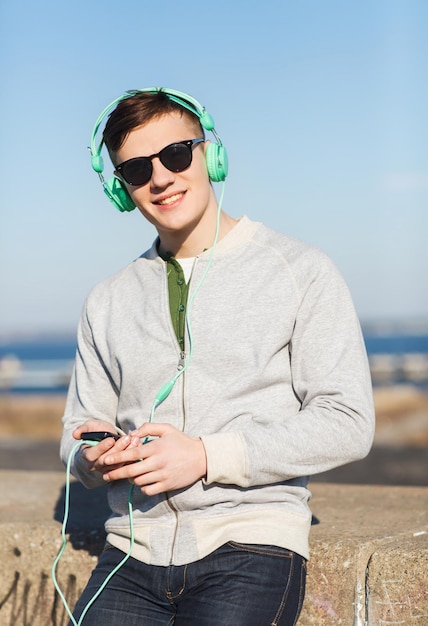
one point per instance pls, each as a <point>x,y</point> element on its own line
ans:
<point>172,202</point>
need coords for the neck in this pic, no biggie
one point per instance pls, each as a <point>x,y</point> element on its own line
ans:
<point>197,239</point>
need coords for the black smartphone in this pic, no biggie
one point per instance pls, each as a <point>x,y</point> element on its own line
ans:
<point>99,436</point>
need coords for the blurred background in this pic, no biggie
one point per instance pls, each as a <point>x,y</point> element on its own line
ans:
<point>323,108</point>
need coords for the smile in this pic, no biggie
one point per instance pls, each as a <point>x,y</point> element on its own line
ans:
<point>170,199</point>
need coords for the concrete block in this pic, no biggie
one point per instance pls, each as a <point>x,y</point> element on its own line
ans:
<point>369,549</point>
<point>367,535</point>
<point>397,582</point>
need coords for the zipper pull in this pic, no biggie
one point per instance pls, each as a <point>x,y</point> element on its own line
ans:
<point>181,361</point>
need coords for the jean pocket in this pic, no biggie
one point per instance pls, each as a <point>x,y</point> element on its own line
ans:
<point>256,548</point>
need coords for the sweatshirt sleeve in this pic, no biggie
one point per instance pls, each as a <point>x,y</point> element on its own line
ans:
<point>91,395</point>
<point>331,380</point>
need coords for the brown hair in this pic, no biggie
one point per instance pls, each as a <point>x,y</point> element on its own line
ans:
<point>138,110</point>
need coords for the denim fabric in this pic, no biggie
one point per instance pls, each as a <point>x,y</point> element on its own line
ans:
<point>237,585</point>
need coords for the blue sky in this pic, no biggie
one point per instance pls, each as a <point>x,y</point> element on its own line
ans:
<point>322,105</point>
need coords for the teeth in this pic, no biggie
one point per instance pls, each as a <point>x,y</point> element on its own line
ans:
<point>170,199</point>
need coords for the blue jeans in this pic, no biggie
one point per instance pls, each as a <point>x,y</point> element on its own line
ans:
<point>236,585</point>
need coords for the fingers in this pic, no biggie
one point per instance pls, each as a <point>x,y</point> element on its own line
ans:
<point>153,430</point>
<point>137,461</point>
<point>130,470</point>
<point>100,455</point>
<point>92,453</point>
<point>127,454</point>
<point>143,473</point>
<point>172,461</point>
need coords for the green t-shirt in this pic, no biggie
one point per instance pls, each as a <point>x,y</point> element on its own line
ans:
<point>178,291</point>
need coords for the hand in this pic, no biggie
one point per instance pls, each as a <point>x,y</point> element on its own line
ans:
<point>173,461</point>
<point>95,455</point>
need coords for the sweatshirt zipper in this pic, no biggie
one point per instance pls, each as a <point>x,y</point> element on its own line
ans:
<point>181,360</point>
<point>180,366</point>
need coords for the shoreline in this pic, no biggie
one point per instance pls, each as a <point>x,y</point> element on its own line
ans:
<point>30,430</point>
<point>401,415</point>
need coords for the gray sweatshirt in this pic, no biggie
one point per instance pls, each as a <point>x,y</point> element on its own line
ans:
<point>278,389</point>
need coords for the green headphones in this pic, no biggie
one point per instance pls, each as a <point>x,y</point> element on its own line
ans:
<point>215,154</point>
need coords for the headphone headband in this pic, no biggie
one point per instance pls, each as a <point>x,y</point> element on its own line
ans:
<point>216,156</point>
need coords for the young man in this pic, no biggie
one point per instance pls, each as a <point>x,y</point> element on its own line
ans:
<point>230,358</point>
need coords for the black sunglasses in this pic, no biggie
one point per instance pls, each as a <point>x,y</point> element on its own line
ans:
<point>176,158</point>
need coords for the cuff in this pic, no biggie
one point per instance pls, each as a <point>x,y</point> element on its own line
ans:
<point>226,459</point>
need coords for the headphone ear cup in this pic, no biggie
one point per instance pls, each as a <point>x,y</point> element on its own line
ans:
<point>118,195</point>
<point>217,162</point>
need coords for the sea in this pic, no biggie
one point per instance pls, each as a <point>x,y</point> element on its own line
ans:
<point>43,364</point>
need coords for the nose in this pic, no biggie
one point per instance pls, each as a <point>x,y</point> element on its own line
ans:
<point>161,176</point>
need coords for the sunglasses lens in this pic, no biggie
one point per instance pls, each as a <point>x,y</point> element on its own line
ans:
<point>176,157</point>
<point>137,171</point>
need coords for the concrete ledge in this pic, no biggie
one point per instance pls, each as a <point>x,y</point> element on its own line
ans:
<point>369,551</point>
